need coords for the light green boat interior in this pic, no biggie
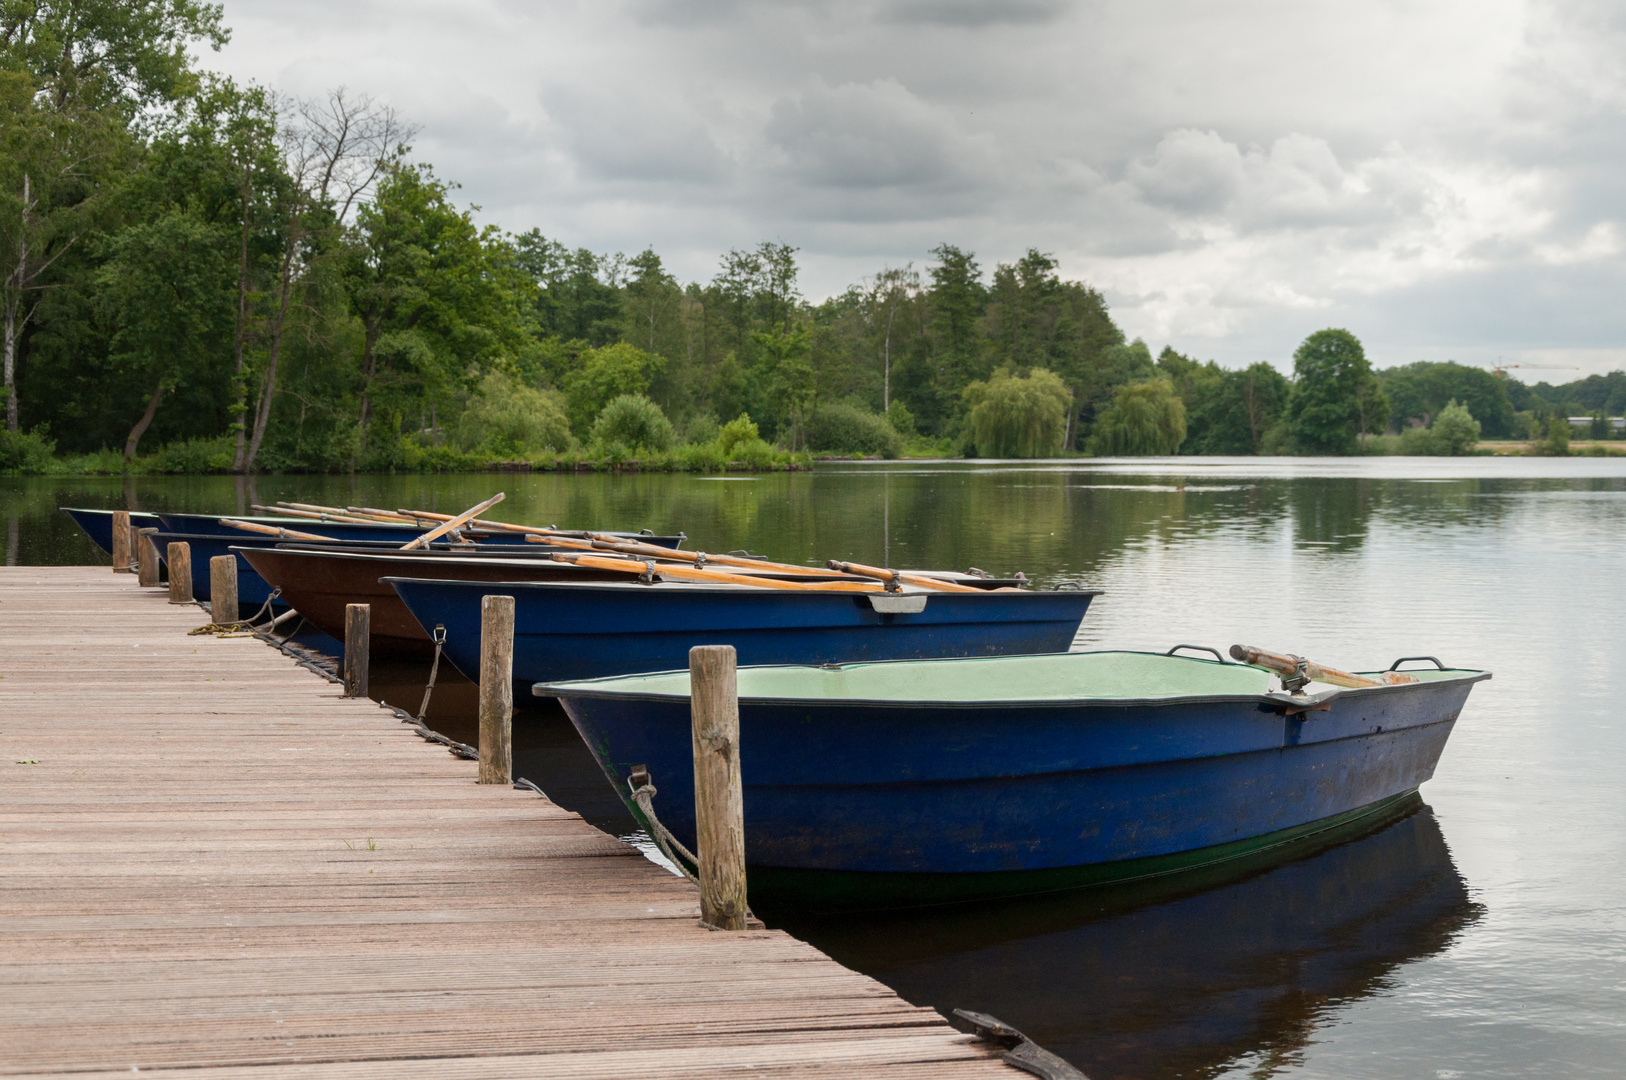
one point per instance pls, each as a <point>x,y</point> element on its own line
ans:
<point>1101,676</point>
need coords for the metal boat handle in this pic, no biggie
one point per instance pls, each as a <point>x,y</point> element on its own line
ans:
<point>1408,659</point>
<point>1199,648</point>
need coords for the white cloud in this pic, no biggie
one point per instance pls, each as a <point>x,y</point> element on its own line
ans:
<point>1441,177</point>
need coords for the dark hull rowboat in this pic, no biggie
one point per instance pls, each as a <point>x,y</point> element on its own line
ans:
<point>319,580</point>
<point>569,630</point>
<point>380,533</point>
<point>98,524</point>
<point>955,780</point>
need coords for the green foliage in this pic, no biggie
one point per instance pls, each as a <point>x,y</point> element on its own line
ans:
<point>1557,442</point>
<point>1145,418</point>
<point>840,427</point>
<point>507,418</point>
<point>1335,395</point>
<point>635,423</point>
<point>605,374</point>
<point>1227,412</point>
<point>1419,391</point>
<point>24,453</point>
<point>736,433</point>
<point>1010,416</point>
<point>191,457</point>
<point>1455,430</point>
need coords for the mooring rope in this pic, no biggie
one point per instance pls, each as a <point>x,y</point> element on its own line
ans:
<point>240,628</point>
<point>644,795</point>
<point>439,636</point>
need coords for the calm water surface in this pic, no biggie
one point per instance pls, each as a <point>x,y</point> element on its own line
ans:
<point>1481,935</point>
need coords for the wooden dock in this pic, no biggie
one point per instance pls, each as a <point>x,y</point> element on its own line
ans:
<point>215,866</point>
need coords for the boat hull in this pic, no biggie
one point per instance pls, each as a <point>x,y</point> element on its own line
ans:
<point>887,801</point>
<point>252,589</point>
<point>320,583</point>
<point>574,631</point>
<point>98,524</point>
<point>380,533</point>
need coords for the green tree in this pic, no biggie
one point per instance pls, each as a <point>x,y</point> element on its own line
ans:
<point>1455,430</point>
<point>166,290</point>
<point>1335,395</point>
<point>1145,418</point>
<point>507,417</point>
<point>605,374</point>
<point>634,423</point>
<point>1419,391</point>
<point>1011,416</point>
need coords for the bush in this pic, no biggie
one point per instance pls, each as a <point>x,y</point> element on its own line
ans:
<point>1455,430</point>
<point>700,429</point>
<point>194,457</point>
<point>632,423</point>
<point>26,452</point>
<point>507,418</point>
<point>1557,442</point>
<point>1418,442</point>
<point>736,431</point>
<point>1018,417</point>
<point>1145,418</point>
<point>844,428</point>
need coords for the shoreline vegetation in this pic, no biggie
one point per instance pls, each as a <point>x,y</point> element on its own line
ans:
<point>206,277</point>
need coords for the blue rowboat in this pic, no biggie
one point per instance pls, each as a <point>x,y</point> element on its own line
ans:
<point>943,781</point>
<point>379,533</point>
<point>569,630</point>
<point>98,524</point>
<point>252,589</point>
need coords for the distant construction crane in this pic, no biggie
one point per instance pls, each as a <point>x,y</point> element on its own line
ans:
<point>1501,370</point>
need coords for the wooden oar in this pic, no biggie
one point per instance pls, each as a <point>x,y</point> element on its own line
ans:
<point>903,577</point>
<point>603,542</point>
<point>289,511</point>
<point>386,515</point>
<point>1287,666</point>
<point>713,577</point>
<point>501,526</point>
<point>271,530</point>
<point>447,526</point>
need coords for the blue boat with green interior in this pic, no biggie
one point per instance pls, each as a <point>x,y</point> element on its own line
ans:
<point>900,784</point>
<point>98,524</point>
<point>574,630</point>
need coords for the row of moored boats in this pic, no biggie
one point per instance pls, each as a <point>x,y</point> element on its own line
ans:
<point>907,737</point>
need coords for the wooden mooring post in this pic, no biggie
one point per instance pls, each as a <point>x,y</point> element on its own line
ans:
<point>147,558</point>
<point>223,590</point>
<point>358,636</point>
<point>719,800</point>
<point>496,690</point>
<point>121,541</point>
<point>180,572</point>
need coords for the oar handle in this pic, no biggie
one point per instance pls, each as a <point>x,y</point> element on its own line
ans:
<point>900,577</point>
<point>1287,666</point>
<point>271,530</point>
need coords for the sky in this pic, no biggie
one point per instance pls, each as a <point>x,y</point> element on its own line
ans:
<point>1444,179</point>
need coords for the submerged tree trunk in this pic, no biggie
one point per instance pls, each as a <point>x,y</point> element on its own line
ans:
<point>144,423</point>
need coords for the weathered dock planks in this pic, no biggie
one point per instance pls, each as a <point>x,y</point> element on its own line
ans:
<point>212,862</point>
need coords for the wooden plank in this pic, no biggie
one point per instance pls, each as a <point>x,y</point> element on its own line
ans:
<point>218,867</point>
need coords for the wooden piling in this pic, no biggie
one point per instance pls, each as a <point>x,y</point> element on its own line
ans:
<point>358,620</point>
<point>496,689</point>
<point>147,558</point>
<point>719,801</point>
<point>223,590</point>
<point>121,541</point>
<point>180,572</point>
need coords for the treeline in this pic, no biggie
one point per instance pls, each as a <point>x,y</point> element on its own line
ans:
<point>205,276</point>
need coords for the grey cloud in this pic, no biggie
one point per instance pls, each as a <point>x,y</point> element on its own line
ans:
<point>973,13</point>
<point>864,136</point>
<point>614,135</point>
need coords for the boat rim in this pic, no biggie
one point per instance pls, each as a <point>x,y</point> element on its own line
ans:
<point>1277,700</point>
<point>729,589</point>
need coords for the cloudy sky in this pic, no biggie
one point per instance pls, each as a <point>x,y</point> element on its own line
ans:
<point>1443,178</point>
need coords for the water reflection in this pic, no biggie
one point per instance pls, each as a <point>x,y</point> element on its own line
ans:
<point>1178,978</point>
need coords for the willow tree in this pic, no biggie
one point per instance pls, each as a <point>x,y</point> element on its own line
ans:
<point>1144,418</point>
<point>1011,416</point>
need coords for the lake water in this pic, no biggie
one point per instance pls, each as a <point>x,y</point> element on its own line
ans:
<point>1482,935</point>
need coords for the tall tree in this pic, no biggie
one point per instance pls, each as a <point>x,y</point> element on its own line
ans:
<point>1335,395</point>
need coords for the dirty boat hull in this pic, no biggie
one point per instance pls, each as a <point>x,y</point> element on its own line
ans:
<point>897,804</point>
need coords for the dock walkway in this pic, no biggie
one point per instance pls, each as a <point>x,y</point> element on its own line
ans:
<point>214,866</point>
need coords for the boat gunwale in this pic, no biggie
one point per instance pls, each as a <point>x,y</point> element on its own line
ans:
<point>1276,700</point>
<point>727,589</point>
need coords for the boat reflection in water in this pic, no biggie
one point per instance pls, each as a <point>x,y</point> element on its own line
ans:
<point>1180,976</point>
